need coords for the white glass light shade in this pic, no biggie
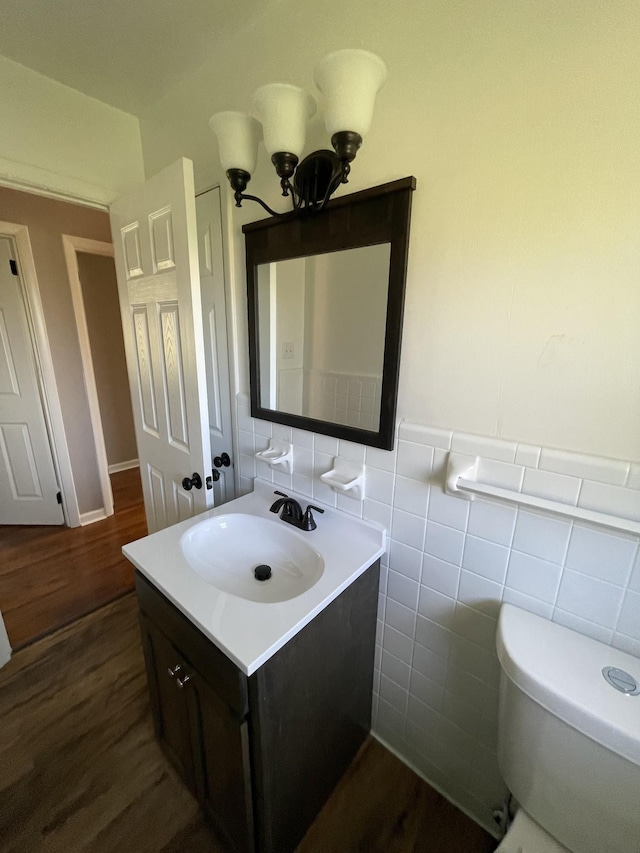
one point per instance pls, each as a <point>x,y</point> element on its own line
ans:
<point>284,111</point>
<point>350,81</point>
<point>238,137</point>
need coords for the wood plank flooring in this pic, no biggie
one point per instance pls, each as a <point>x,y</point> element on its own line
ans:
<point>80,769</point>
<point>381,806</point>
<point>51,575</point>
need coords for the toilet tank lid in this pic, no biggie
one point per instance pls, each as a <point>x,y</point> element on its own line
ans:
<point>562,671</point>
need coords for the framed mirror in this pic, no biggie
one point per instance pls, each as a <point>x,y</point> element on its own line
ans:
<point>325,303</point>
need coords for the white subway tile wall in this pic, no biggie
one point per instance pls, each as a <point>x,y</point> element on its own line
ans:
<point>451,563</point>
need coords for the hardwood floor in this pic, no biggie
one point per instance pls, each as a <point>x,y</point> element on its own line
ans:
<point>381,806</point>
<point>80,769</point>
<point>50,576</point>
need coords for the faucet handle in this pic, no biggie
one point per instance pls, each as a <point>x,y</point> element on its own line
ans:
<point>308,521</point>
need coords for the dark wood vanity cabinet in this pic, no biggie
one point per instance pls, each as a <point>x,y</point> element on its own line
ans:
<point>263,752</point>
<point>204,739</point>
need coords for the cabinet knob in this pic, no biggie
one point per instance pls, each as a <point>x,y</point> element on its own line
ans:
<point>175,670</point>
<point>182,681</point>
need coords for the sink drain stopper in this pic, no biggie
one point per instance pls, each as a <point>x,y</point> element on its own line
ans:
<point>262,572</point>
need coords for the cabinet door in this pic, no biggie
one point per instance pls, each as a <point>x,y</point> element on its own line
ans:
<point>165,671</point>
<point>223,778</point>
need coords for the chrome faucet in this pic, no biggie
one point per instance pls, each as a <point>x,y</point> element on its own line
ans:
<point>292,512</point>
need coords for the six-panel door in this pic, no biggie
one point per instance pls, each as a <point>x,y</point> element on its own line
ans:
<point>156,255</point>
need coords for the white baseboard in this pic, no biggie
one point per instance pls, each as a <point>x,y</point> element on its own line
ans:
<point>123,466</point>
<point>93,516</point>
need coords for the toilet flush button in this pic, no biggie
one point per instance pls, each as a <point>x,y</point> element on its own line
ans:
<point>621,680</point>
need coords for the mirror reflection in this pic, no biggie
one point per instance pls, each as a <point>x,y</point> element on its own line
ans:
<point>321,331</point>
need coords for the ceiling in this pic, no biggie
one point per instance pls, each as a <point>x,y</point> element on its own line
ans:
<point>125,53</point>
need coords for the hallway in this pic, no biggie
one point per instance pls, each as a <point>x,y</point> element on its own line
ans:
<point>50,576</point>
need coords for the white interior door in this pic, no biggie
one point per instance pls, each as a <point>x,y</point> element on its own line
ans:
<point>214,314</point>
<point>156,254</point>
<point>28,485</point>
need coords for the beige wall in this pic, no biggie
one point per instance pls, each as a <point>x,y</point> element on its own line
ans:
<point>521,123</point>
<point>102,310</point>
<point>349,293</point>
<point>47,220</point>
<point>53,137</point>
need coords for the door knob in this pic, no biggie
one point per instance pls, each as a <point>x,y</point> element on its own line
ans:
<point>222,461</point>
<point>188,484</point>
<point>215,476</point>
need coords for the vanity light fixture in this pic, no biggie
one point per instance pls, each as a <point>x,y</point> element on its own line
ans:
<point>350,81</point>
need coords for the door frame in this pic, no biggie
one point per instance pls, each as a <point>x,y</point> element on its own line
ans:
<point>230,327</point>
<point>72,245</point>
<point>49,396</point>
<point>234,266</point>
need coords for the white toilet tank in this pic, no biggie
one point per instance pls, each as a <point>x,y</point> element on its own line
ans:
<point>568,741</point>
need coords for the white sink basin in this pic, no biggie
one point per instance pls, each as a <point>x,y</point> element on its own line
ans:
<point>226,549</point>
<point>205,566</point>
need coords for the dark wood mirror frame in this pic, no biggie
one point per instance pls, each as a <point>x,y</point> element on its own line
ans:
<point>378,215</point>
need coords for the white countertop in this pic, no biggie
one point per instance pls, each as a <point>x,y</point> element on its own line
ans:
<point>250,632</point>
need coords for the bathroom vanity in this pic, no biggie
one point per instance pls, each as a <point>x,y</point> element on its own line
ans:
<point>260,705</point>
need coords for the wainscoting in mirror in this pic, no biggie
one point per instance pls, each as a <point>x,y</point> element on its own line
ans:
<point>352,399</point>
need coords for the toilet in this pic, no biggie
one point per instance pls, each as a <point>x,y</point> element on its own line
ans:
<point>568,738</point>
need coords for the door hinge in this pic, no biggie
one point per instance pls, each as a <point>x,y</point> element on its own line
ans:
<point>14,266</point>
<point>59,497</point>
